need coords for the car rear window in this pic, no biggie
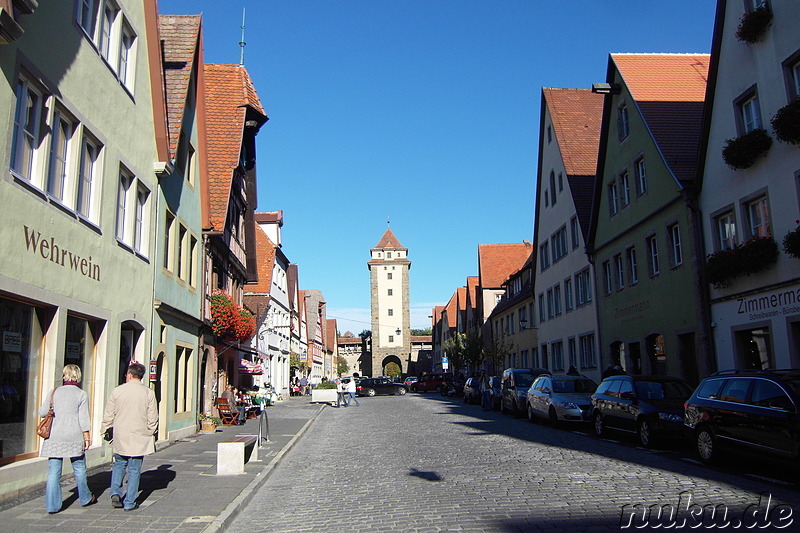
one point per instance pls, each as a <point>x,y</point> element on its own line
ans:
<point>765,392</point>
<point>567,386</point>
<point>735,390</point>
<point>662,390</point>
<point>709,388</point>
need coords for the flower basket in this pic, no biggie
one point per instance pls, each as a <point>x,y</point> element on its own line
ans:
<point>742,152</point>
<point>786,122</point>
<point>753,24</point>
<point>791,242</point>
<point>229,319</point>
<point>209,423</point>
<point>753,256</point>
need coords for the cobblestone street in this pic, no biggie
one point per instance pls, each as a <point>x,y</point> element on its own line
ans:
<point>427,463</point>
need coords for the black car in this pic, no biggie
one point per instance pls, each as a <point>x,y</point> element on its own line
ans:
<point>755,410</point>
<point>514,388</point>
<point>497,392</point>
<point>382,386</point>
<point>472,390</point>
<point>649,406</point>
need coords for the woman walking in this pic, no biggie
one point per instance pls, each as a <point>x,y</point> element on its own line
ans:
<point>69,438</point>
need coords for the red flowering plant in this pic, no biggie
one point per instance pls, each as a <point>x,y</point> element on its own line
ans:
<point>750,257</point>
<point>742,152</point>
<point>753,24</point>
<point>230,320</point>
<point>791,242</point>
<point>786,122</point>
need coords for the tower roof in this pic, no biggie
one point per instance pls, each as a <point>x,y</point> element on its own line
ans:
<point>389,240</point>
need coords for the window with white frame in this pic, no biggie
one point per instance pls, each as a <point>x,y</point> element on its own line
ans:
<point>391,338</point>
<point>641,176</point>
<point>749,113</point>
<point>557,299</point>
<point>87,16</point>
<point>544,256</point>
<point>583,282</point>
<point>126,57</point>
<point>619,272</point>
<point>653,266</point>
<point>88,174</point>
<point>551,310</point>
<point>623,125</point>
<point>169,240</point>
<point>588,356</point>
<point>559,240</point>
<point>511,323</point>
<point>557,355</point>
<point>107,19</point>
<point>758,217</point>
<point>27,142</point>
<point>568,298</point>
<point>725,230</point>
<point>676,249</point>
<point>107,27</point>
<point>575,231</point>
<point>123,189</point>
<point>192,261</point>
<point>180,254</point>
<point>572,352</point>
<point>61,135</point>
<point>607,277</point>
<point>613,198</point>
<point>625,189</point>
<point>389,275</point>
<point>792,70</point>
<point>389,292</point>
<point>633,267</point>
<point>140,240</point>
<point>391,312</point>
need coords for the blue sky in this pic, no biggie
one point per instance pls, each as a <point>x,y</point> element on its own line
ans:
<point>423,112</point>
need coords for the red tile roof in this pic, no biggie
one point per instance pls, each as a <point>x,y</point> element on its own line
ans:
<point>451,309</point>
<point>330,334</point>
<point>271,216</point>
<point>265,263</point>
<point>669,89</point>
<point>577,115</point>
<point>472,288</point>
<point>229,92</point>
<point>390,241</point>
<point>462,298</point>
<point>179,37</point>
<point>496,262</point>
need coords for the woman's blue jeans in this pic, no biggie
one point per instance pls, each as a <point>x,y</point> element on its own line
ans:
<point>133,466</point>
<point>53,491</point>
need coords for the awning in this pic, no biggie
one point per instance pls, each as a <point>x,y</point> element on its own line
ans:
<point>249,367</point>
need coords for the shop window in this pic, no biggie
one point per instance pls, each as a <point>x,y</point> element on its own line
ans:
<point>754,349</point>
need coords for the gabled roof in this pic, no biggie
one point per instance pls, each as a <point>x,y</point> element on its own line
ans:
<point>389,241</point>
<point>577,115</point>
<point>472,287</point>
<point>330,334</point>
<point>669,90</point>
<point>229,94</point>
<point>451,309</point>
<point>265,263</point>
<point>436,317</point>
<point>496,262</point>
<point>462,298</point>
<point>179,36</point>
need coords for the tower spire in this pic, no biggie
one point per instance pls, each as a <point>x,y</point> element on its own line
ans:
<point>242,43</point>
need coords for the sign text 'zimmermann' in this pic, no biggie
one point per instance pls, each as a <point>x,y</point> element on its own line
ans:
<point>48,249</point>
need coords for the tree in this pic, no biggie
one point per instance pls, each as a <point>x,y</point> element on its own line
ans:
<point>341,366</point>
<point>294,362</point>
<point>393,370</point>
<point>422,332</point>
<point>473,349</point>
<point>495,352</point>
<point>455,348</point>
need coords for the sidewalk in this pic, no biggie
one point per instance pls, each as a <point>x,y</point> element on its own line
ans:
<point>179,487</point>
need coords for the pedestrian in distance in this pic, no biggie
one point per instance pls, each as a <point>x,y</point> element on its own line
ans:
<point>69,438</point>
<point>304,386</point>
<point>340,393</point>
<point>486,392</point>
<point>132,413</point>
<point>351,390</point>
<point>572,371</point>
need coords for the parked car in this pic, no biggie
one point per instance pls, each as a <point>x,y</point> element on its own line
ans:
<point>514,388</point>
<point>410,380</point>
<point>649,406</point>
<point>755,410</point>
<point>432,382</point>
<point>497,391</point>
<point>561,398</point>
<point>472,391</point>
<point>379,386</point>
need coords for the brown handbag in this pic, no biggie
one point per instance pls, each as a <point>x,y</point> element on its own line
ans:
<point>47,422</point>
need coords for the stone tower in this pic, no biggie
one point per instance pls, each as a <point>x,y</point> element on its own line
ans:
<point>391,322</point>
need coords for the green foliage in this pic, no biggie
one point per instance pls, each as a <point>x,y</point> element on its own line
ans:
<point>786,122</point>
<point>755,255</point>
<point>392,370</point>
<point>495,352</point>
<point>326,385</point>
<point>753,24</point>
<point>473,349</point>
<point>791,242</point>
<point>422,332</point>
<point>742,152</point>
<point>455,349</point>
<point>341,366</point>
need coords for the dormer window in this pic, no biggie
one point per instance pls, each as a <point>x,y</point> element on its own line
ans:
<point>388,255</point>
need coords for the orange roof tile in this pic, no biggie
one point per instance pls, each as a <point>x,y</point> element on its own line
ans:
<point>229,92</point>
<point>390,241</point>
<point>577,116</point>
<point>669,90</point>
<point>496,262</point>
<point>451,309</point>
<point>265,263</point>
<point>179,37</point>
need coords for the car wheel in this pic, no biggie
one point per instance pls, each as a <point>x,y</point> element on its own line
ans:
<point>599,425</point>
<point>531,416</point>
<point>401,391</point>
<point>706,445</point>
<point>553,416</point>
<point>370,392</point>
<point>645,433</point>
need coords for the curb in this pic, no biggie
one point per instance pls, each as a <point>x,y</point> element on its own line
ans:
<point>221,522</point>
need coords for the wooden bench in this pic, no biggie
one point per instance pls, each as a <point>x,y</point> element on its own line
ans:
<point>228,415</point>
<point>234,452</point>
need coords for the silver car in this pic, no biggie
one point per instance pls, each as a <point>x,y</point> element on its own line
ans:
<point>561,398</point>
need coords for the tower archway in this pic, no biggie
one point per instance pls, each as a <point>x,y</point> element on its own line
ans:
<point>392,366</point>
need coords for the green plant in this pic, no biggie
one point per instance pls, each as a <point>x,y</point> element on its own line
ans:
<point>753,24</point>
<point>326,385</point>
<point>786,122</point>
<point>750,257</point>
<point>791,242</point>
<point>742,152</point>
<point>217,421</point>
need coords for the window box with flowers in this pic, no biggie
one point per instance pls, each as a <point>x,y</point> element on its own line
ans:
<point>791,242</point>
<point>230,320</point>
<point>209,423</point>
<point>786,122</point>
<point>741,153</point>
<point>750,257</point>
<point>753,24</point>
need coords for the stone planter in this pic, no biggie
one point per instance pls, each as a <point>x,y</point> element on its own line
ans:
<point>323,396</point>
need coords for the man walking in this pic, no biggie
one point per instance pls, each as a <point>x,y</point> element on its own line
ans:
<point>351,390</point>
<point>132,412</point>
